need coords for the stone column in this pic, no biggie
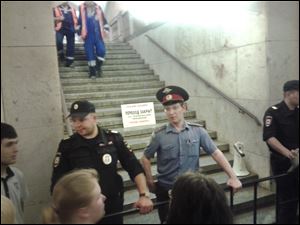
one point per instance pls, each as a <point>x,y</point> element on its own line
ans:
<point>30,92</point>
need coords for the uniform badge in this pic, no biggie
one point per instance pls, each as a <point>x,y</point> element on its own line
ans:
<point>107,159</point>
<point>101,145</point>
<point>167,90</point>
<point>75,106</point>
<point>169,97</point>
<point>110,143</point>
<point>56,160</point>
<point>268,121</point>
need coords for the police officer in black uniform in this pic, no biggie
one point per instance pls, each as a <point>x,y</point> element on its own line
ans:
<point>281,133</point>
<point>100,149</point>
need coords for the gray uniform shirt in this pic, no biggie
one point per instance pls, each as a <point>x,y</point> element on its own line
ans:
<point>178,152</point>
<point>14,188</point>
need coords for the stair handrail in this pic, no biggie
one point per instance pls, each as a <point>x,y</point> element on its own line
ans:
<point>208,84</point>
<point>65,111</point>
<point>231,202</point>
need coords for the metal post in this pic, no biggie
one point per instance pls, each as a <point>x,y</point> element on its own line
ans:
<point>255,204</point>
<point>231,198</point>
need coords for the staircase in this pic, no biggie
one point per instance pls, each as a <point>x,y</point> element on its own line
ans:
<point>127,79</point>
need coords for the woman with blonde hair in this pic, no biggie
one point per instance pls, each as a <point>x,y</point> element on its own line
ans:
<point>76,198</point>
<point>7,211</point>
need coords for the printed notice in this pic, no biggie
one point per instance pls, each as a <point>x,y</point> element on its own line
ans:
<point>139,114</point>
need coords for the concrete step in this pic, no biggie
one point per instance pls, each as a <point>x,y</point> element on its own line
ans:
<point>80,44</point>
<point>113,62</point>
<point>111,87</point>
<point>139,145</point>
<point>146,131</point>
<point>82,57</point>
<point>115,122</point>
<point>206,163</point>
<point>110,52</point>
<point>136,218</point>
<point>242,199</point>
<point>116,112</point>
<point>105,68</point>
<point>109,47</point>
<point>265,215</point>
<point>107,80</point>
<point>110,103</point>
<point>117,73</point>
<point>111,94</point>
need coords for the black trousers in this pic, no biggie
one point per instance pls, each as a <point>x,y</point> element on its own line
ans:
<point>162,194</point>
<point>113,205</point>
<point>287,190</point>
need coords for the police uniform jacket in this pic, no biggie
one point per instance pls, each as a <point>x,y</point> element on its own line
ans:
<point>101,153</point>
<point>283,124</point>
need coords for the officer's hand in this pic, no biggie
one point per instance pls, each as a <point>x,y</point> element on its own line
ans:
<point>144,204</point>
<point>235,183</point>
<point>292,154</point>
<point>151,185</point>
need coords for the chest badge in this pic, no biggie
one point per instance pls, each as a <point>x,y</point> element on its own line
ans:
<point>107,159</point>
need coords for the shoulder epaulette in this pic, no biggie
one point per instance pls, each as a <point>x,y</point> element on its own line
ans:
<point>111,131</point>
<point>194,124</point>
<point>158,129</point>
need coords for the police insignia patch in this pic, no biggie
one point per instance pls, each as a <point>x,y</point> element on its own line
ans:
<point>56,160</point>
<point>167,90</point>
<point>268,121</point>
<point>169,97</point>
<point>107,159</point>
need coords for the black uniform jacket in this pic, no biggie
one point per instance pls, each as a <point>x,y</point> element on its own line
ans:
<point>282,123</point>
<point>102,153</point>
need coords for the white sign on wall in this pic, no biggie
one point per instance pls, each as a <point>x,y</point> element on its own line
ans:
<point>139,114</point>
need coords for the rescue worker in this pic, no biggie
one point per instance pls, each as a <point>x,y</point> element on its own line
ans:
<point>177,145</point>
<point>281,133</point>
<point>100,149</point>
<point>93,28</point>
<point>66,24</point>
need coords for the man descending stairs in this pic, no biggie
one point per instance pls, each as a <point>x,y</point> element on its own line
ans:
<point>126,79</point>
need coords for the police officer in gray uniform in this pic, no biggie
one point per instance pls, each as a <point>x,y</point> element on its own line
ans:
<point>177,145</point>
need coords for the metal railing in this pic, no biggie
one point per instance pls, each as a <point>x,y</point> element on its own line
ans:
<point>218,91</point>
<point>255,187</point>
<point>231,198</point>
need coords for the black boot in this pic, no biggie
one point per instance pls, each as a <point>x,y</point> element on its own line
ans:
<point>61,57</point>
<point>69,63</point>
<point>98,67</point>
<point>92,73</point>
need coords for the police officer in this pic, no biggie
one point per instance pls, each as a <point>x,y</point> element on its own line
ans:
<point>66,24</point>
<point>177,145</point>
<point>100,149</point>
<point>281,133</point>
